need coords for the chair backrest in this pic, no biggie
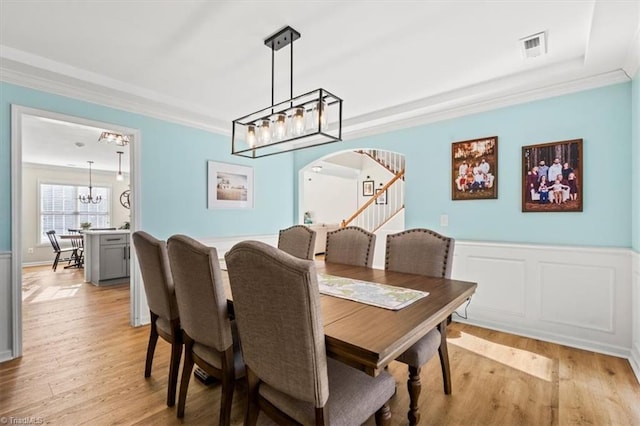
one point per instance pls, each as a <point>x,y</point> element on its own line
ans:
<point>156,275</point>
<point>420,251</point>
<point>277,306</point>
<point>202,301</point>
<point>53,240</point>
<point>75,242</point>
<point>351,245</point>
<point>298,241</point>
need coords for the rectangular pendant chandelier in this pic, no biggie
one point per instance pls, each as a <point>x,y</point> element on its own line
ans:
<point>304,121</point>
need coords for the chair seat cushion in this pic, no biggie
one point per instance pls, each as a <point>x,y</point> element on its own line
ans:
<point>353,396</point>
<point>212,356</point>
<point>422,351</point>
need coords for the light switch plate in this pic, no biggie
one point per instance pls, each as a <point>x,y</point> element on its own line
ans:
<point>444,220</point>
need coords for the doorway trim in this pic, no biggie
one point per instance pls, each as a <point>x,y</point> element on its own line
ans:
<point>136,298</point>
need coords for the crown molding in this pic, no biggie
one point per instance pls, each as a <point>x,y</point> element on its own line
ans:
<point>498,93</point>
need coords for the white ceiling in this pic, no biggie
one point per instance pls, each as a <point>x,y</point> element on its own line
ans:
<point>204,63</point>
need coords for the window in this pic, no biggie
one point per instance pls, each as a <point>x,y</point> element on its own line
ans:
<point>60,208</point>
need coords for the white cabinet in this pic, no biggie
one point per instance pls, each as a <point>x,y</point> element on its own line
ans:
<point>107,256</point>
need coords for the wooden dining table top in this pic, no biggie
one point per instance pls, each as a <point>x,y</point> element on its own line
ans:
<point>369,337</point>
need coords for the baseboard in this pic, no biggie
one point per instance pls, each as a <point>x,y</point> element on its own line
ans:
<point>40,263</point>
<point>6,356</point>
<point>634,360</point>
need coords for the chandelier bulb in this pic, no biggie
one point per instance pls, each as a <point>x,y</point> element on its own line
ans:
<point>251,135</point>
<point>265,132</point>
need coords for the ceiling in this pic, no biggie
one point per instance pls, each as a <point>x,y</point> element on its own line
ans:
<point>395,63</point>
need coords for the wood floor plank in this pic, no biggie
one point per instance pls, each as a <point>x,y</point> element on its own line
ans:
<point>84,364</point>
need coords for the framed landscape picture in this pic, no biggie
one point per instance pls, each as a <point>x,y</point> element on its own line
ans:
<point>367,188</point>
<point>229,186</point>
<point>474,169</point>
<point>552,177</point>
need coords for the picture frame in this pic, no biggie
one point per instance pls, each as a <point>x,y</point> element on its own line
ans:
<point>474,169</point>
<point>229,186</point>
<point>367,188</point>
<point>564,193</point>
<point>382,198</point>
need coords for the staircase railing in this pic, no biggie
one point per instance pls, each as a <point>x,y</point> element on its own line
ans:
<point>381,207</point>
<point>391,161</point>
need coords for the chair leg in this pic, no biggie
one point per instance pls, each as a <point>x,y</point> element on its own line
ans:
<point>174,366</point>
<point>55,262</point>
<point>253,408</point>
<point>383,415</point>
<point>414,386</point>
<point>187,367</point>
<point>444,358</point>
<point>228,384</point>
<point>151,347</point>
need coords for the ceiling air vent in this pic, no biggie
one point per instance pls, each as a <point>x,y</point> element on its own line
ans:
<point>534,45</point>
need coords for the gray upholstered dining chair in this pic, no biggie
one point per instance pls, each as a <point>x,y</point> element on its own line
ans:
<point>207,330</point>
<point>350,245</point>
<point>298,241</point>
<point>161,298</point>
<point>277,306</point>
<point>423,252</point>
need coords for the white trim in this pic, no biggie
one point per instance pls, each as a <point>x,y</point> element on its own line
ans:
<point>17,111</point>
<point>34,72</point>
<point>456,104</point>
<point>634,357</point>
<point>16,229</point>
<point>6,291</point>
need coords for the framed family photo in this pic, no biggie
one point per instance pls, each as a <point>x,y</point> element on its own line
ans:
<point>474,169</point>
<point>229,186</point>
<point>552,177</point>
<point>382,198</point>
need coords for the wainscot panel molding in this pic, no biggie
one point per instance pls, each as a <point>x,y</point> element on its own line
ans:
<point>224,244</point>
<point>634,358</point>
<point>6,318</point>
<point>575,296</point>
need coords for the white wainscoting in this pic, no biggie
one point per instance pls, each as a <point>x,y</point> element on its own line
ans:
<point>6,298</point>
<point>634,358</point>
<point>575,296</point>
<point>224,244</point>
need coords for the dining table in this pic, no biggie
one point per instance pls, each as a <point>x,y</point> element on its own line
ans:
<point>370,337</point>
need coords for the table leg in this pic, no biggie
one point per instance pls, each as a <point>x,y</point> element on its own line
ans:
<point>444,357</point>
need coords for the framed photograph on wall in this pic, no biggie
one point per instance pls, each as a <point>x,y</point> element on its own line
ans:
<point>229,186</point>
<point>552,177</point>
<point>382,198</point>
<point>474,169</point>
<point>367,188</point>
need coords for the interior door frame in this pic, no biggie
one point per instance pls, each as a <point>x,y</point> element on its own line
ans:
<point>137,298</point>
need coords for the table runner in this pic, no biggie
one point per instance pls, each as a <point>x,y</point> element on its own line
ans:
<point>375,294</point>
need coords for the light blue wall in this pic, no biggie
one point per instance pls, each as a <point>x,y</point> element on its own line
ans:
<point>174,159</point>
<point>635,162</point>
<point>601,117</point>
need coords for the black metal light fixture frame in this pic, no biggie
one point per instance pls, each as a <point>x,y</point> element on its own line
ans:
<point>292,115</point>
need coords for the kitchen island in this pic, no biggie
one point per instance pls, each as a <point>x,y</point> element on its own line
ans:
<point>107,256</point>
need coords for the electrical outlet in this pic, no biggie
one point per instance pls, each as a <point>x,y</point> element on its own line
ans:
<point>444,220</point>
<point>30,250</point>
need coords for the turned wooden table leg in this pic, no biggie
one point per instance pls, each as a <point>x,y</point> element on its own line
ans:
<point>414,386</point>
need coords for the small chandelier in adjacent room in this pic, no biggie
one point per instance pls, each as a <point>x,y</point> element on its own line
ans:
<point>311,119</point>
<point>89,199</point>
<point>111,137</point>
<point>120,176</point>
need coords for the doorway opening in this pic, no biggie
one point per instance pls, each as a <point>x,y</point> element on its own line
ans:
<point>49,173</point>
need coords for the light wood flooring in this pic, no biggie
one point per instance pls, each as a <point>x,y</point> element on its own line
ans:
<point>83,363</point>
